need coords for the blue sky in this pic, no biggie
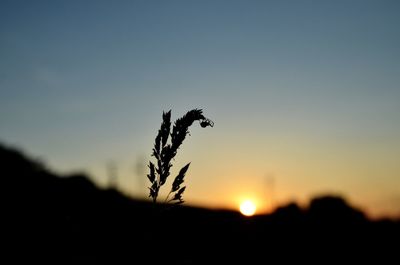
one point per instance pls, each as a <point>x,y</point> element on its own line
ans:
<point>306,91</point>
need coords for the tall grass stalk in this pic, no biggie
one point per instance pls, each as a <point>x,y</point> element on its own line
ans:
<point>164,152</point>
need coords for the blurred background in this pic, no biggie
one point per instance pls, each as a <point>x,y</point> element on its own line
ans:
<point>304,95</point>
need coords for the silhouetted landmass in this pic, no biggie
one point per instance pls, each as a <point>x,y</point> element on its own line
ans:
<point>52,219</point>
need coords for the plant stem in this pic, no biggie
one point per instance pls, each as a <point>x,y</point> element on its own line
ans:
<point>167,197</point>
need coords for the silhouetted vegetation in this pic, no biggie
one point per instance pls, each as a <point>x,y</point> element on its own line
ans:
<point>51,219</point>
<point>165,153</point>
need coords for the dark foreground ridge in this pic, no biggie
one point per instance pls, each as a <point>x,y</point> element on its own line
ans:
<point>50,219</point>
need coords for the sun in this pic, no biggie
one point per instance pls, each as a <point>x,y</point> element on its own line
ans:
<point>247,208</point>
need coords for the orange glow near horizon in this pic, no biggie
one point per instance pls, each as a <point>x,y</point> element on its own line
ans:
<point>248,208</point>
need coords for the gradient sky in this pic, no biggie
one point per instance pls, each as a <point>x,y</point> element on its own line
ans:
<point>305,95</point>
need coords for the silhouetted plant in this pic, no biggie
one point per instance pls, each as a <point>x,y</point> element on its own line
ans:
<point>165,152</point>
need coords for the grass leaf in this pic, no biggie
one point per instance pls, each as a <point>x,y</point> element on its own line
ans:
<point>165,152</point>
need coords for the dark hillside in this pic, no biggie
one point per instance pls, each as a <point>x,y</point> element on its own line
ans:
<point>52,219</point>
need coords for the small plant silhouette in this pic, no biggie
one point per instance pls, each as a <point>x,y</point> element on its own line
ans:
<point>165,152</point>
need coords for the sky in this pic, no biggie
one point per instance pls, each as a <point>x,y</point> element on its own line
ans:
<point>305,95</point>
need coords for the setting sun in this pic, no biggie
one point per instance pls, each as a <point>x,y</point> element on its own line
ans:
<point>247,208</point>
